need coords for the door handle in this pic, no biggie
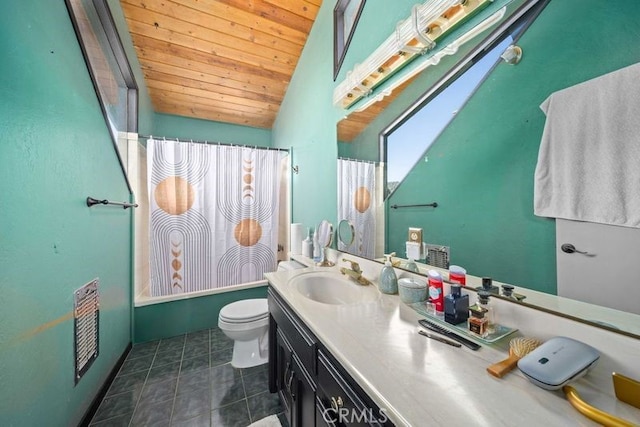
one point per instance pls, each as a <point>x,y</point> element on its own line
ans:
<point>569,248</point>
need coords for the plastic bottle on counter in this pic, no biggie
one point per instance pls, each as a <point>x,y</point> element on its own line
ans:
<point>436,291</point>
<point>307,245</point>
<point>458,275</point>
<point>317,251</point>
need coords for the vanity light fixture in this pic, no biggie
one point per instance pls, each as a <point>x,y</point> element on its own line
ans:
<point>412,37</point>
<point>421,64</point>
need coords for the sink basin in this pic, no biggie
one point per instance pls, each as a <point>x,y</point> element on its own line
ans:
<point>330,287</point>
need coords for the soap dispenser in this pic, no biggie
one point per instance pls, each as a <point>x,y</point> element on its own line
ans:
<point>388,282</point>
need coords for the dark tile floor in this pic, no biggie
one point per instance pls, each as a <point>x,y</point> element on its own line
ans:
<point>187,381</point>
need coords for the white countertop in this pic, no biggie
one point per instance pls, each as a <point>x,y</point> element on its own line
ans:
<point>422,382</point>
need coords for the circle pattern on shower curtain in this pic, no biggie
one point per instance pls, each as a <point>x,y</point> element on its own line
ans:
<point>362,199</point>
<point>248,232</point>
<point>174,195</point>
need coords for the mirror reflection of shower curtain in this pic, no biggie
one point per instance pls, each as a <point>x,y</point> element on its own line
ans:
<point>356,203</point>
<point>214,215</point>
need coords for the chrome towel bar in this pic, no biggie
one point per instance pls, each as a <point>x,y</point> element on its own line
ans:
<point>91,201</point>
<point>433,205</point>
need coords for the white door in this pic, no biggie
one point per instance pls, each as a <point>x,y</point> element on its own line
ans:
<point>608,274</point>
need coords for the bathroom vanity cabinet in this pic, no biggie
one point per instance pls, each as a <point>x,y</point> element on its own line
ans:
<point>364,362</point>
<point>315,390</point>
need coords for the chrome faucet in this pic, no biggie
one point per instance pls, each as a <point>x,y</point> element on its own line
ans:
<point>355,273</point>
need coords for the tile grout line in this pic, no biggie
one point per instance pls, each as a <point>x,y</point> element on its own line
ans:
<point>122,392</point>
<point>144,383</point>
<point>175,393</point>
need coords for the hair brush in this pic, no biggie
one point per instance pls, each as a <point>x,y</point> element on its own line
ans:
<point>518,348</point>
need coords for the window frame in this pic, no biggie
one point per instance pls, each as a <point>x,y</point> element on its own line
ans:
<point>117,51</point>
<point>341,40</point>
<point>524,16</point>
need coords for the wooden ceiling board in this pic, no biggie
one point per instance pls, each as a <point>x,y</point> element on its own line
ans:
<point>248,19</point>
<point>215,90</point>
<point>237,37</point>
<point>234,72</point>
<point>168,96</point>
<point>193,78</point>
<point>213,98</point>
<point>205,47</point>
<point>300,8</point>
<point>199,111</point>
<point>272,13</point>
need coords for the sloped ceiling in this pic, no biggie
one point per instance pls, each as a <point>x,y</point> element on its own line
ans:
<point>223,60</point>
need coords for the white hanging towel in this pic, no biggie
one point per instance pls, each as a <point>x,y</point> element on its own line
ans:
<point>589,160</point>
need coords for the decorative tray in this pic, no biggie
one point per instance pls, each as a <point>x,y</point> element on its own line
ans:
<point>499,333</point>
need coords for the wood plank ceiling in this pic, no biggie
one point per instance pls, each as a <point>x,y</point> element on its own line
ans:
<point>223,60</point>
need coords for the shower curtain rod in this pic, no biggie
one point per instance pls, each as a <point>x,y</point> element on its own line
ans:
<point>357,160</point>
<point>162,138</point>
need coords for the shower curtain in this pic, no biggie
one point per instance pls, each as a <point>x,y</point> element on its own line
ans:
<point>356,203</point>
<point>214,215</point>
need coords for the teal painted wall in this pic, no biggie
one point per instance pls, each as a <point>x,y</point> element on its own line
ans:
<point>185,128</point>
<point>173,318</point>
<point>480,170</point>
<point>306,123</point>
<point>55,151</point>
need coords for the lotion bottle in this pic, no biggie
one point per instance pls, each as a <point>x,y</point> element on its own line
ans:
<point>388,283</point>
<point>317,256</point>
<point>307,245</point>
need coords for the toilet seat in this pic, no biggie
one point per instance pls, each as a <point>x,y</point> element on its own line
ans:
<point>245,311</point>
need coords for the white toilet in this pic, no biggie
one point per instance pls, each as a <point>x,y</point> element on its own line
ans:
<point>246,322</point>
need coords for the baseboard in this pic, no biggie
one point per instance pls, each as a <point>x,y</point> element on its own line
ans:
<point>88,416</point>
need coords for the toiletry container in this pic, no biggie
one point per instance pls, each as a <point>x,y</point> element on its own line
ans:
<point>507,291</point>
<point>457,274</point>
<point>456,306</point>
<point>412,290</point>
<point>487,285</point>
<point>296,236</point>
<point>414,250</point>
<point>481,319</point>
<point>388,282</point>
<point>436,291</point>
<point>316,247</point>
<point>307,245</point>
<point>411,265</point>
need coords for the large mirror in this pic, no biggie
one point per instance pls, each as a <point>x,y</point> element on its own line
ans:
<point>479,165</point>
